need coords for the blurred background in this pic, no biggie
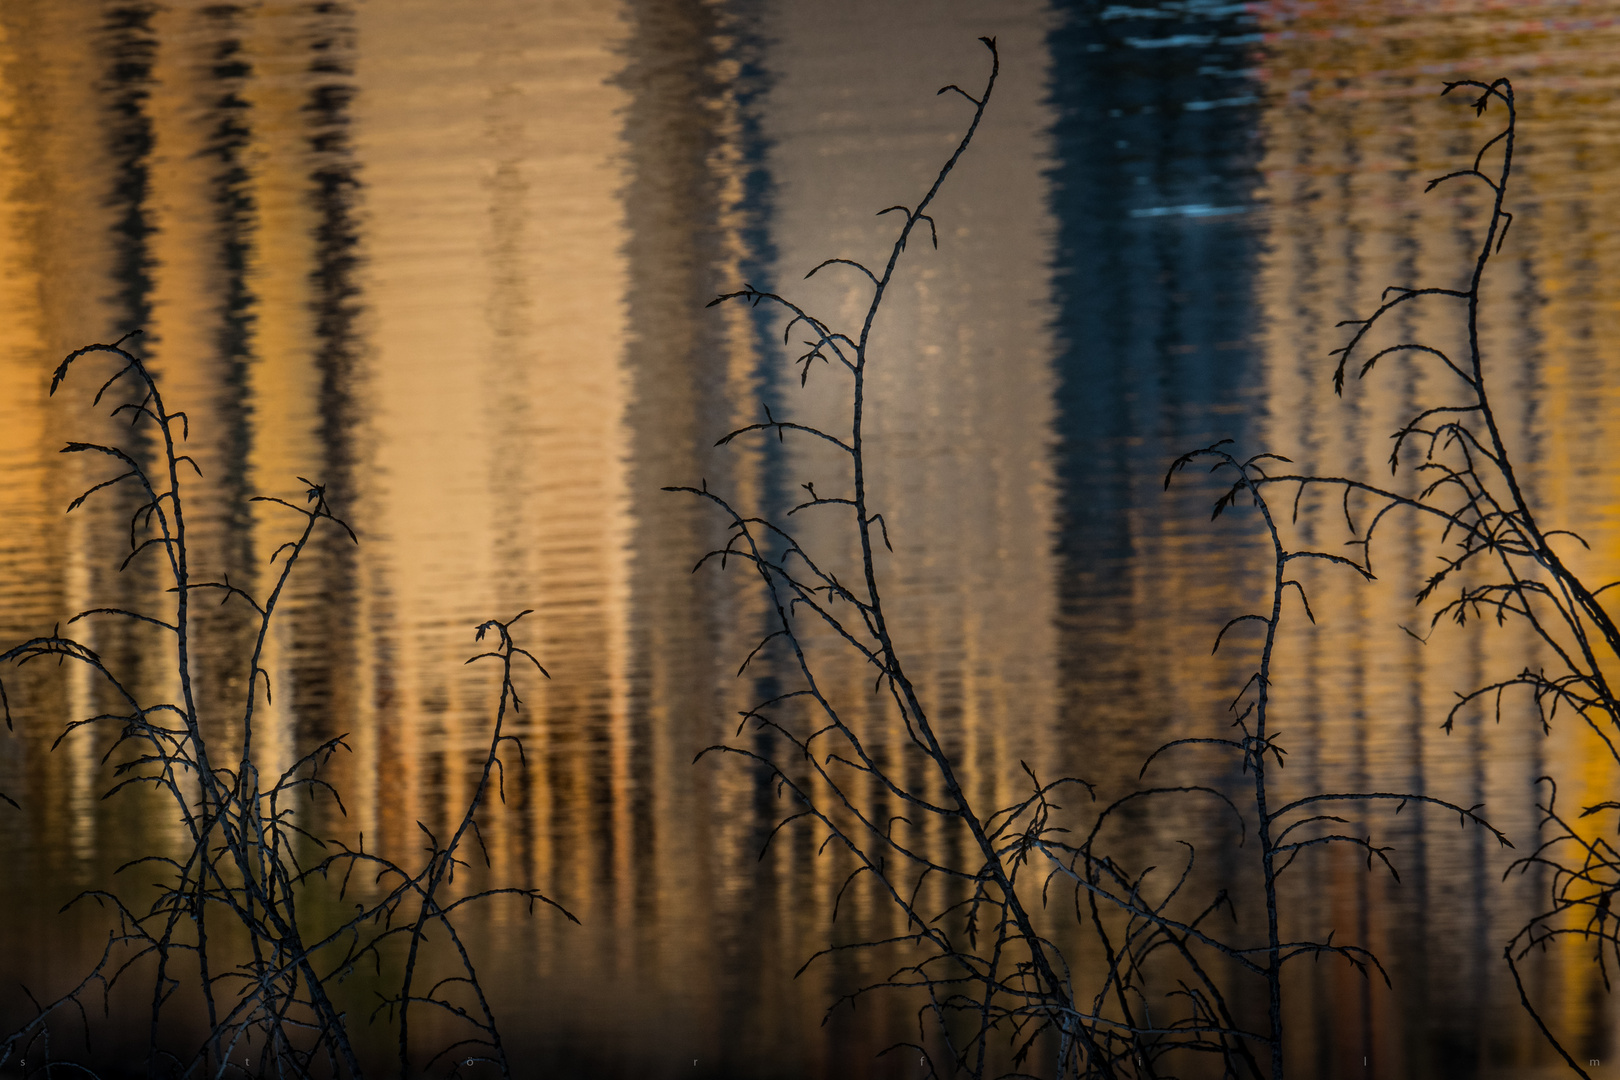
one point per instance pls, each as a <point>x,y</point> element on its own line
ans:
<point>450,258</point>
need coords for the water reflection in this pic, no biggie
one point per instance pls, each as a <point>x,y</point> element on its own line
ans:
<point>455,269</point>
<point>1345,165</point>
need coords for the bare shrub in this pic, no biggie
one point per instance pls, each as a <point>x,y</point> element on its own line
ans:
<point>242,920</point>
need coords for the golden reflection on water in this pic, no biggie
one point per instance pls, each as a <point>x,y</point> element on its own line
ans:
<point>1353,130</point>
<point>454,266</point>
<point>455,270</point>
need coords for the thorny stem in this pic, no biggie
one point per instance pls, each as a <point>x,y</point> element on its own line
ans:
<point>1055,991</point>
<point>891,660</point>
<point>1506,530</point>
<point>1257,742</point>
<point>1521,517</point>
<point>1257,760</point>
<point>242,838</point>
<point>1543,552</point>
<point>444,862</point>
<point>1056,986</point>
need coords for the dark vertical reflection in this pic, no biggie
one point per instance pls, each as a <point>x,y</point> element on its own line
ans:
<point>131,49</point>
<point>227,71</point>
<point>1156,355</point>
<point>218,507</point>
<point>1154,151</point>
<point>334,187</point>
<point>130,46</point>
<point>696,204</point>
<point>326,621</point>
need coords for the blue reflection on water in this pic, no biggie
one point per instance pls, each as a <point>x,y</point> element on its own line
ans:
<point>1155,150</point>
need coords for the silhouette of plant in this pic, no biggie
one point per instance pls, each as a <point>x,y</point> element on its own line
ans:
<point>1137,971</point>
<point>974,884</point>
<point>981,956</point>
<point>1283,832</point>
<point>239,914</point>
<point>1501,561</point>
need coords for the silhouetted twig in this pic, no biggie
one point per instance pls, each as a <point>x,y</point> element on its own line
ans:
<point>981,955</point>
<point>1500,562</point>
<point>266,984</point>
<point>973,934</point>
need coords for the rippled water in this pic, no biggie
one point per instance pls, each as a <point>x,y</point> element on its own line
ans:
<point>451,260</point>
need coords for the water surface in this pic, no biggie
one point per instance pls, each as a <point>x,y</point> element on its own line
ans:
<point>451,260</point>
